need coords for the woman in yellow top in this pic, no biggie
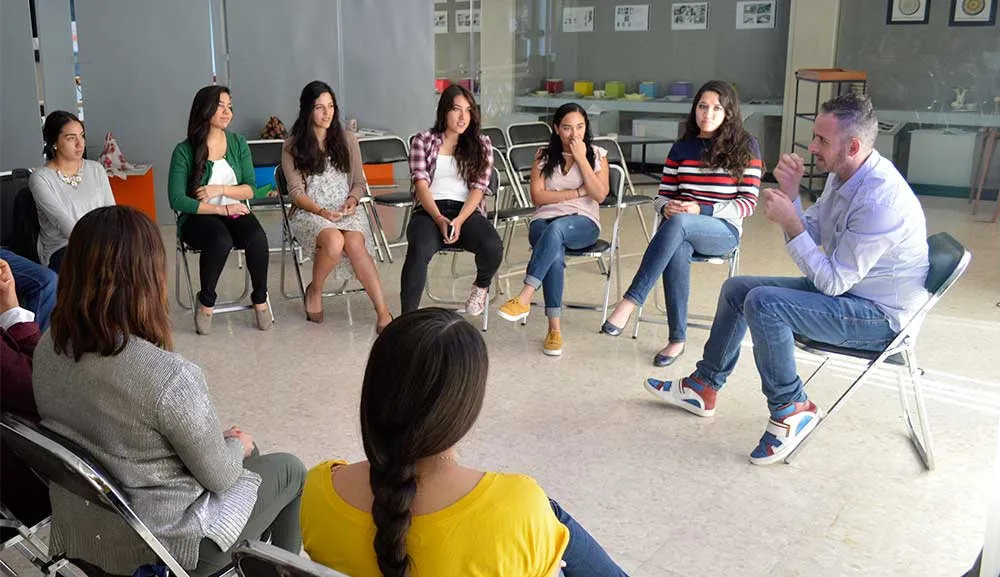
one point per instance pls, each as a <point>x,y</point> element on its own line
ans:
<point>412,508</point>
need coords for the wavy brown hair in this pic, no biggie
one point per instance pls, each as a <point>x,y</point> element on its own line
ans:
<point>423,390</point>
<point>112,286</point>
<point>731,147</point>
<point>305,149</point>
<point>470,152</point>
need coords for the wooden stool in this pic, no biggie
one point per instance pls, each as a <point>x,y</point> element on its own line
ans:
<point>989,144</point>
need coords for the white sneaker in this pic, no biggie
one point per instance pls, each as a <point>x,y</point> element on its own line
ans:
<point>476,303</point>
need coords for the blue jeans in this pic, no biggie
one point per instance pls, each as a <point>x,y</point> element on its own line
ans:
<point>669,254</point>
<point>775,309</point>
<point>35,284</point>
<point>549,240</point>
<point>584,556</point>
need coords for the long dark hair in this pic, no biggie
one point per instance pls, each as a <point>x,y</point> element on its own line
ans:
<point>54,123</point>
<point>203,107</point>
<point>112,285</point>
<point>306,152</point>
<point>470,152</point>
<point>731,147</point>
<point>552,156</point>
<point>423,390</point>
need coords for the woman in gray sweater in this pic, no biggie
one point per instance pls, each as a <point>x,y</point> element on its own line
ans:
<point>104,377</point>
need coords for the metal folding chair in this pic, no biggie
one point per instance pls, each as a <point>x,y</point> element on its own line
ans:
<point>388,150</point>
<point>528,133</point>
<point>16,536</point>
<point>59,461</point>
<point>699,321</point>
<point>631,199</point>
<point>497,137</point>
<point>258,559</point>
<point>948,261</point>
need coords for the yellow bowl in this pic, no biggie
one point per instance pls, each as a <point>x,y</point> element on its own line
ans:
<point>583,87</point>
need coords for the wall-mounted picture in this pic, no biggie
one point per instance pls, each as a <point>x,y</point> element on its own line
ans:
<point>973,13</point>
<point>467,20</point>
<point>440,21</point>
<point>755,14</point>
<point>908,12</point>
<point>689,16</point>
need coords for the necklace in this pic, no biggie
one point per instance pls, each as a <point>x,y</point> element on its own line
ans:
<point>73,180</point>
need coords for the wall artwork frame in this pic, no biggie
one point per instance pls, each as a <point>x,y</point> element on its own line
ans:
<point>754,14</point>
<point>689,16</point>
<point>972,13</point>
<point>908,12</point>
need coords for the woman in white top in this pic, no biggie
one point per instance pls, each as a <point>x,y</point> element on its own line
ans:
<point>211,175</point>
<point>67,187</point>
<point>326,181</point>
<point>569,180</point>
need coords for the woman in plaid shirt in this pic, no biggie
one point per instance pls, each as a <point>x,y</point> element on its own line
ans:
<point>450,167</point>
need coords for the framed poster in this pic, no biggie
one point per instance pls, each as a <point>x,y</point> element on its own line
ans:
<point>689,16</point>
<point>440,21</point>
<point>467,20</point>
<point>973,13</point>
<point>755,14</point>
<point>578,19</point>
<point>908,12</point>
<point>632,18</point>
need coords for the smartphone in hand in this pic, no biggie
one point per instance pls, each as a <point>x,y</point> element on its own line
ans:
<point>451,231</point>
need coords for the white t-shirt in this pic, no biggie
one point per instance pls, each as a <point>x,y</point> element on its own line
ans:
<point>447,183</point>
<point>222,173</point>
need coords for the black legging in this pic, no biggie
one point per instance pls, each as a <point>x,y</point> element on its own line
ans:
<point>216,236</point>
<point>424,241</point>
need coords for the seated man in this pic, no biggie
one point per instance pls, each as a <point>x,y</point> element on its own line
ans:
<point>858,291</point>
<point>36,285</point>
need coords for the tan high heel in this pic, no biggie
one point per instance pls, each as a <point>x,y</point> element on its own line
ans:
<point>312,317</point>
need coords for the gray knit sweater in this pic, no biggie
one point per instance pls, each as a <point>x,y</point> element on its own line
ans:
<point>146,416</point>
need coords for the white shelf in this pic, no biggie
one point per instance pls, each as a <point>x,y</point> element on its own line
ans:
<point>647,106</point>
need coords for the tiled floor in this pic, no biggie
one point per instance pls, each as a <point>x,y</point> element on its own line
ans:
<point>667,494</point>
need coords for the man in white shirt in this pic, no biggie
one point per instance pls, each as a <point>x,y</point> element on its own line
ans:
<point>858,290</point>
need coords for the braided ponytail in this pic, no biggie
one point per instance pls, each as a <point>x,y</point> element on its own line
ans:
<point>393,486</point>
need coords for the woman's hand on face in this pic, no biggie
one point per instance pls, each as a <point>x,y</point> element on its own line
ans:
<point>578,149</point>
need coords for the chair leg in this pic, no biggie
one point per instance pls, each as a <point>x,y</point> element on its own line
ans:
<point>642,223</point>
<point>190,286</point>
<point>177,279</point>
<point>381,231</point>
<point>834,408</point>
<point>635,328</point>
<point>922,443</point>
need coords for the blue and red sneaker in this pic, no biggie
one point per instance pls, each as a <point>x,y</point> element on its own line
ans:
<point>690,393</point>
<point>786,428</point>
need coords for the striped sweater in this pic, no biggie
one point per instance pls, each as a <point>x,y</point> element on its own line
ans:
<point>685,177</point>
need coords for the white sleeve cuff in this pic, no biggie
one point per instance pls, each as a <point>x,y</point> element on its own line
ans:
<point>15,316</point>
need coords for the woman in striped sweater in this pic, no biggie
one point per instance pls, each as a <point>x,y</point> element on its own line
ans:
<point>710,182</point>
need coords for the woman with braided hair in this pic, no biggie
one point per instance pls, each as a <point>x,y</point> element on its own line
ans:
<point>411,508</point>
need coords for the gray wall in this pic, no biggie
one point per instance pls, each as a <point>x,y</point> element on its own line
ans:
<point>55,45</point>
<point>388,62</point>
<point>273,52</point>
<point>753,59</point>
<point>20,121</point>
<point>911,65</point>
<point>140,65</point>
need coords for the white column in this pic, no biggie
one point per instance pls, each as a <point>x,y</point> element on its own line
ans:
<point>496,45</point>
<point>55,47</point>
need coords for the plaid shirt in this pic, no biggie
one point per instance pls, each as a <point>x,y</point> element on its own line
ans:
<point>424,148</point>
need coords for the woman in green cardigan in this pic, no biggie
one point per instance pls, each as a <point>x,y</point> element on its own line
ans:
<point>210,178</point>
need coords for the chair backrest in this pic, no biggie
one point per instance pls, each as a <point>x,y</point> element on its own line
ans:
<point>265,152</point>
<point>383,150</point>
<point>616,157</point>
<point>24,229</point>
<point>256,559</point>
<point>948,261</point>
<point>521,157</point>
<point>528,133</point>
<point>60,461</point>
<point>616,187</point>
<point>11,183</point>
<point>497,137</point>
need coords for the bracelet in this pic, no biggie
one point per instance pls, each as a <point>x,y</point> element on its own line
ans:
<point>226,206</point>
<point>579,193</point>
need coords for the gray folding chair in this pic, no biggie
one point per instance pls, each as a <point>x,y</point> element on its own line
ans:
<point>697,321</point>
<point>948,261</point>
<point>16,536</point>
<point>631,199</point>
<point>258,559</point>
<point>528,133</point>
<point>59,461</point>
<point>388,150</point>
<point>497,137</point>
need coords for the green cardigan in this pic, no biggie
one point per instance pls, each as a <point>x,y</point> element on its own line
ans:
<point>182,165</point>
